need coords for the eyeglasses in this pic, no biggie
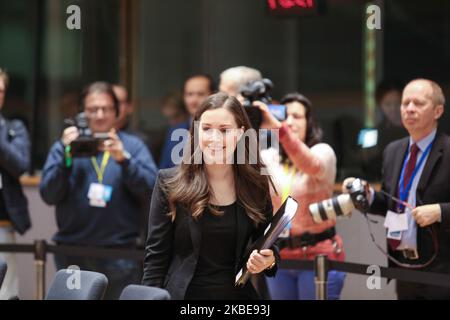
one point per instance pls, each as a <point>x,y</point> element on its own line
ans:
<point>94,110</point>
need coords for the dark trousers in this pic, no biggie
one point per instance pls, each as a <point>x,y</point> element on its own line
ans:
<point>120,272</point>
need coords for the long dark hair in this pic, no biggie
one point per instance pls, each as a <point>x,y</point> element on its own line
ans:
<point>190,187</point>
<point>313,131</point>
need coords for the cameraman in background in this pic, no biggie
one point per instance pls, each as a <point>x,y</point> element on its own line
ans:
<point>305,169</point>
<point>14,215</point>
<point>98,198</point>
<point>232,80</point>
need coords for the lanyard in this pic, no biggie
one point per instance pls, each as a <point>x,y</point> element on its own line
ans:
<point>403,193</point>
<point>288,185</point>
<point>100,171</point>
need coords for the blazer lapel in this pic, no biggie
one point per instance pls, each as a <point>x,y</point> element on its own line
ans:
<point>435,155</point>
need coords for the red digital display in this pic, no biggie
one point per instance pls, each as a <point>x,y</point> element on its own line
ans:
<point>292,7</point>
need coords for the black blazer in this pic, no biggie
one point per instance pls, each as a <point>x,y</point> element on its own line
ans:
<point>14,161</point>
<point>172,248</point>
<point>433,187</point>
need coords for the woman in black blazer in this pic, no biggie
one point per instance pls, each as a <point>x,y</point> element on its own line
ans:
<point>207,211</point>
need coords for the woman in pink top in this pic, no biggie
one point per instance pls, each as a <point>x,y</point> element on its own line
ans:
<point>306,170</point>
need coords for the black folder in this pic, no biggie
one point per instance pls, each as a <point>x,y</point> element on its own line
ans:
<point>279,221</point>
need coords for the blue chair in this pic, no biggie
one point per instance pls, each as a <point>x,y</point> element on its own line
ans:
<point>69,284</point>
<point>3,268</point>
<point>137,292</point>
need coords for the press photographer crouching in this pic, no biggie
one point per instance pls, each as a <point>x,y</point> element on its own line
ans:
<point>305,169</point>
<point>415,192</point>
<point>96,177</point>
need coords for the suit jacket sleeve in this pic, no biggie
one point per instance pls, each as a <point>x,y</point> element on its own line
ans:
<point>445,216</point>
<point>14,152</point>
<point>158,249</point>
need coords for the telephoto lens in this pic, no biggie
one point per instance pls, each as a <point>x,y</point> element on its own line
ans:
<point>343,204</point>
<point>332,208</point>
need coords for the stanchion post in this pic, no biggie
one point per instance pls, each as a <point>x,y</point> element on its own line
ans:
<point>40,255</point>
<point>321,276</point>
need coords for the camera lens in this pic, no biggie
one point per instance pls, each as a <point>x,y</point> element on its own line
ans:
<point>332,208</point>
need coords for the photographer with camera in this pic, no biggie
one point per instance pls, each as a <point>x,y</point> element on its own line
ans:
<point>14,215</point>
<point>415,192</point>
<point>233,79</point>
<point>305,170</point>
<point>97,192</point>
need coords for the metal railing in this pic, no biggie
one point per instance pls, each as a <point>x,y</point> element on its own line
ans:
<point>321,265</point>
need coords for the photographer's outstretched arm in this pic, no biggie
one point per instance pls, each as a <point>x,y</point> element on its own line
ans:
<point>301,156</point>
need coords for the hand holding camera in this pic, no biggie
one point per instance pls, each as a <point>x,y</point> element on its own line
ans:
<point>348,182</point>
<point>70,134</point>
<point>256,93</point>
<point>114,146</point>
<point>82,141</point>
<point>269,121</point>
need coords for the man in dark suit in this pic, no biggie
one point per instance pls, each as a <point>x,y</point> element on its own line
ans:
<point>416,170</point>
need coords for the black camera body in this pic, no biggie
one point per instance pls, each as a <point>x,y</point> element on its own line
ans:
<point>357,191</point>
<point>87,143</point>
<point>259,90</point>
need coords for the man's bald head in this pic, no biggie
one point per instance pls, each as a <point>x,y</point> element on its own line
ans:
<point>422,106</point>
<point>435,94</point>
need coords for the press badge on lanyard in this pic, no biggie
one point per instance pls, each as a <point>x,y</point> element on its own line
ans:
<point>396,223</point>
<point>99,194</point>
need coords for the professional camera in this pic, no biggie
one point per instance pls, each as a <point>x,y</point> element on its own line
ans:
<point>343,204</point>
<point>87,143</point>
<point>259,90</point>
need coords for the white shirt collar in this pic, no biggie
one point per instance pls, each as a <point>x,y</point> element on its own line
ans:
<point>423,143</point>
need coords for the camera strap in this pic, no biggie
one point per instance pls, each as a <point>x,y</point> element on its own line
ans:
<point>100,171</point>
<point>68,156</point>
<point>401,264</point>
